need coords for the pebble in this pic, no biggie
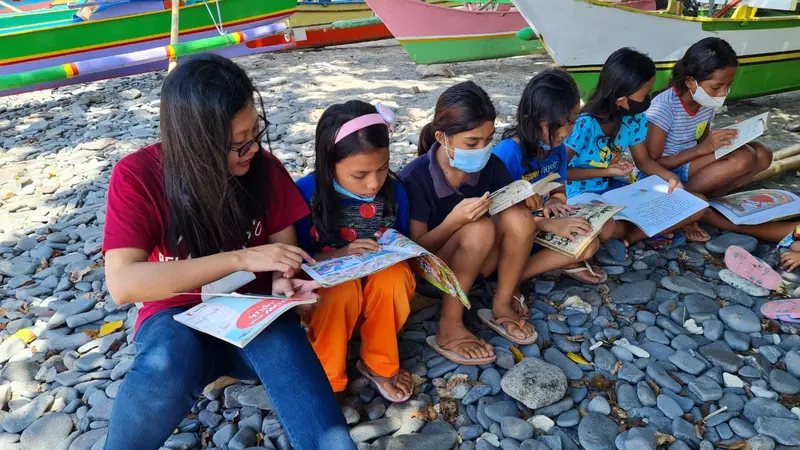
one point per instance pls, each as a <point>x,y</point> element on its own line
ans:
<point>720,244</point>
<point>599,405</point>
<point>784,431</point>
<point>597,432</point>
<point>745,286</point>
<point>47,432</point>
<point>783,382</point>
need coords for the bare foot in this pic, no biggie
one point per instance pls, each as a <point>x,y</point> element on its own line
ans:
<point>694,233</point>
<point>396,390</point>
<point>520,307</point>
<point>519,328</point>
<point>587,276</point>
<point>453,331</point>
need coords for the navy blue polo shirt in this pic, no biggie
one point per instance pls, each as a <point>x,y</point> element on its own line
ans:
<point>431,198</point>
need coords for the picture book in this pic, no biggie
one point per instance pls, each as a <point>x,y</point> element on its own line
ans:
<point>748,130</point>
<point>520,190</point>
<point>394,248</point>
<point>595,214</point>
<point>757,207</point>
<point>648,204</point>
<point>236,318</point>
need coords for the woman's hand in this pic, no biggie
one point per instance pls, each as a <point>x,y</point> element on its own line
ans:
<point>555,208</point>
<point>358,247</point>
<point>717,139</point>
<point>295,287</point>
<point>621,169</point>
<point>565,226</point>
<point>674,183</point>
<point>469,210</point>
<point>534,202</point>
<point>282,258</point>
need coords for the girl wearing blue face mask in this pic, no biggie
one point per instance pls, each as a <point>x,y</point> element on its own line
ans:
<point>448,188</point>
<point>680,134</point>
<point>354,198</point>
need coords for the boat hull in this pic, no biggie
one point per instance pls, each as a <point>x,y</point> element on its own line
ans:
<point>433,34</point>
<point>324,36</point>
<point>130,33</point>
<point>768,48</point>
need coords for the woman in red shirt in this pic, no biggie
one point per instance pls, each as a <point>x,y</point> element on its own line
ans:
<point>203,204</point>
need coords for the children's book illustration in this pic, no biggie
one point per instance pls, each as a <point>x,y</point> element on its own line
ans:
<point>757,207</point>
<point>595,214</point>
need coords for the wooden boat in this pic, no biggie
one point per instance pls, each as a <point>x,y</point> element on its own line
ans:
<point>39,39</point>
<point>768,47</point>
<point>434,34</point>
<point>321,24</point>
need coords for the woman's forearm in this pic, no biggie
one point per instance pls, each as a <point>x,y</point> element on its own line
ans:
<point>575,174</point>
<point>144,281</point>
<point>434,239</point>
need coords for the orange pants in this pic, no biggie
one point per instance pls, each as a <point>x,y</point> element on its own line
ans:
<point>378,303</point>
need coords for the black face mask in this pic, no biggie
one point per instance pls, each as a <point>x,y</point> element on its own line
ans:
<point>635,107</point>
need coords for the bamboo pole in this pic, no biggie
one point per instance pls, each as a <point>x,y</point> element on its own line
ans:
<point>174,31</point>
<point>786,152</point>
<point>12,8</point>
<point>779,166</point>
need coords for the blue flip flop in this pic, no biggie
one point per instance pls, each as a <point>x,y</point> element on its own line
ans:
<point>616,249</point>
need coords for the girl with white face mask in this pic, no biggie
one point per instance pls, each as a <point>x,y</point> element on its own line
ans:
<point>680,134</point>
<point>448,189</point>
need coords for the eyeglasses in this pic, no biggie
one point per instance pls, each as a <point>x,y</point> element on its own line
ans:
<point>244,148</point>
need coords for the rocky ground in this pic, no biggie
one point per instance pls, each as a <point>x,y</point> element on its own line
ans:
<point>617,366</point>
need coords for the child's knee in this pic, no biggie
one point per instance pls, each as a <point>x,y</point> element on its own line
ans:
<point>763,155</point>
<point>590,250</point>
<point>795,247</point>
<point>517,223</point>
<point>742,160</point>
<point>477,237</point>
<point>397,275</point>
<point>607,232</point>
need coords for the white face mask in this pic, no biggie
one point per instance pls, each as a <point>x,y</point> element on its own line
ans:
<point>700,96</point>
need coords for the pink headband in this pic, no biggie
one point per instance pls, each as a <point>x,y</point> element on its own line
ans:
<point>384,116</point>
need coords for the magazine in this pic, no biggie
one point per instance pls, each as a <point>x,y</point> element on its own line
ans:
<point>394,248</point>
<point>520,190</point>
<point>748,130</point>
<point>595,214</point>
<point>237,318</point>
<point>757,207</point>
<point>648,204</point>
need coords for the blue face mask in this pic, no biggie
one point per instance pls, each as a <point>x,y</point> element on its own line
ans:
<point>545,146</point>
<point>470,161</point>
<point>340,190</point>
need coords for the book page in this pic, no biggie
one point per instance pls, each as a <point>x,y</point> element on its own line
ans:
<point>435,271</point>
<point>651,208</point>
<point>595,214</point>
<point>509,196</point>
<point>757,207</point>
<point>546,184</point>
<point>748,130</point>
<point>227,284</point>
<point>237,319</point>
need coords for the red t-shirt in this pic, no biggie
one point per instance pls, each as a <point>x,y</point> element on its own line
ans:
<point>136,216</point>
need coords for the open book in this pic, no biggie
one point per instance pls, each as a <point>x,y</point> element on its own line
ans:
<point>757,207</point>
<point>595,214</point>
<point>647,204</point>
<point>394,248</point>
<point>748,130</point>
<point>520,190</point>
<point>236,318</point>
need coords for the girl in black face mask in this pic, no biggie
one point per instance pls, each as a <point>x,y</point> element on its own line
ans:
<point>612,122</point>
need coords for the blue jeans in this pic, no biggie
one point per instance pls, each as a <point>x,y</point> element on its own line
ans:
<point>174,363</point>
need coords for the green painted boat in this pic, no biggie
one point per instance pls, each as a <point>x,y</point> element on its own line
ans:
<point>433,34</point>
<point>46,38</point>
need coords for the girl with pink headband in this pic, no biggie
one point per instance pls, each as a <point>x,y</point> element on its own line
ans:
<point>354,198</point>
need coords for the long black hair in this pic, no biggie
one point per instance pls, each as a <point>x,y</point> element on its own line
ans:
<point>701,60</point>
<point>548,97</point>
<point>325,205</point>
<point>461,107</point>
<point>623,73</point>
<point>209,209</point>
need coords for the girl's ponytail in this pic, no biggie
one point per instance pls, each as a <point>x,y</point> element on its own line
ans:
<point>426,139</point>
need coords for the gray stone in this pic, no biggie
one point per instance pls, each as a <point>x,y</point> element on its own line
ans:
<point>783,382</point>
<point>741,319</point>
<point>688,363</point>
<point>597,432</point>
<point>496,411</point>
<point>742,428</point>
<point>731,294</point>
<point>705,389</point>
<point>737,282</point>
<point>570,369</point>
<point>599,405</point>
<point>688,285</point>
<point>516,428</point>
<point>182,441</point>
<point>76,306</point>
<point>243,439</point>
<point>765,407</point>
<point>535,383</point>
<point>637,293</point>
<point>224,435</point>
<point>785,431</point>
<point>669,407</point>
<point>720,244</point>
<point>87,440</point>
<point>792,362</point>
<point>655,334</point>
<point>255,396</point>
<point>604,359</point>
<point>47,432</point>
<point>375,429</point>
<point>492,378</point>
<point>720,354</point>
<point>19,419</point>
<point>10,347</point>
<point>660,376</point>
<point>432,441</point>
<point>760,442</point>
